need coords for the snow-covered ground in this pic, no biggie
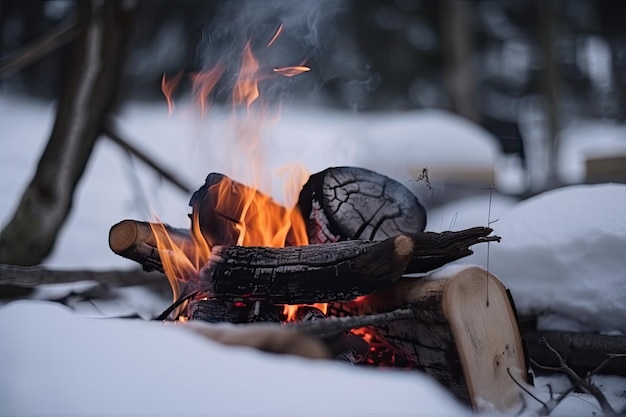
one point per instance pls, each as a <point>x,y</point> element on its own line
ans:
<point>561,254</point>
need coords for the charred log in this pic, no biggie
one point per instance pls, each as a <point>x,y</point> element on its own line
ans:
<point>224,208</point>
<point>136,241</point>
<point>305,274</point>
<point>218,311</point>
<point>355,203</point>
<point>434,250</point>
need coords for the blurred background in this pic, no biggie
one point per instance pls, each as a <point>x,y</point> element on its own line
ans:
<point>546,79</point>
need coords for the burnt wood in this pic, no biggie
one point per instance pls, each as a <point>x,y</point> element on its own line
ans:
<point>135,240</point>
<point>218,311</point>
<point>223,207</point>
<point>434,250</point>
<point>305,274</point>
<point>344,203</point>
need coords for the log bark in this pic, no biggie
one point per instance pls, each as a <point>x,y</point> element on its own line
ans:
<point>134,240</point>
<point>354,203</point>
<point>305,274</point>
<point>104,28</point>
<point>455,335</point>
<point>218,311</point>
<point>433,250</point>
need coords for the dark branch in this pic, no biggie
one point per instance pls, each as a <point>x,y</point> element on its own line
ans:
<point>58,36</point>
<point>31,277</point>
<point>111,133</point>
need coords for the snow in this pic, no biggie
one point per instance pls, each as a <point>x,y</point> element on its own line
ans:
<point>585,139</point>
<point>562,255</point>
<point>63,364</point>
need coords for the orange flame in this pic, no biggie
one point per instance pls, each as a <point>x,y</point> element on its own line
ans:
<point>247,89</point>
<point>290,312</point>
<point>168,87</point>
<point>257,220</point>
<point>203,83</point>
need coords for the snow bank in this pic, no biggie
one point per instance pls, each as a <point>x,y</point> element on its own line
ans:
<point>55,363</point>
<point>563,252</point>
<point>583,140</point>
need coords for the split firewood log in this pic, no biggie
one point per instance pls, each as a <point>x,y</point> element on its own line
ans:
<point>463,332</point>
<point>344,203</point>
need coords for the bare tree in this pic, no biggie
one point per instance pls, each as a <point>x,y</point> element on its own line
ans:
<point>87,98</point>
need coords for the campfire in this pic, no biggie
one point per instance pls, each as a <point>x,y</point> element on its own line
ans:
<point>340,256</point>
<point>333,265</point>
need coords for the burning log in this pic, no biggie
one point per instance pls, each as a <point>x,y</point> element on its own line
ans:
<point>230,213</point>
<point>355,203</point>
<point>464,332</point>
<point>305,274</point>
<point>135,240</point>
<point>218,311</point>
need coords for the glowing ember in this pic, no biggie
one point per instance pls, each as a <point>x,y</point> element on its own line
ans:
<point>290,312</point>
<point>291,71</point>
<point>276,35</point>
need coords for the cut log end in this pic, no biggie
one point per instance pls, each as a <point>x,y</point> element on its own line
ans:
<point>123,235</point>
<point>455,336</point>
<point>404,248</point>
<point>485,328</point>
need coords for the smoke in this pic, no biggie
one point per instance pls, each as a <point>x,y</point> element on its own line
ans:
<point>314,33</point>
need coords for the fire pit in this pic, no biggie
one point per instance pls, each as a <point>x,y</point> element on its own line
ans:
<point>335,265</point>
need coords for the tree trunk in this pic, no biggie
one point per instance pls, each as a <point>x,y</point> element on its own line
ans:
<point>460,73</point>
<point>86,100</point>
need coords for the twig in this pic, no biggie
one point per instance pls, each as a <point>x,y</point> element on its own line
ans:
<point>585,383</point>
<point>548,406</point>
<point>183,298</point>
<point>111,133</point>
<point>59,35</point>
<point>31,277</point>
